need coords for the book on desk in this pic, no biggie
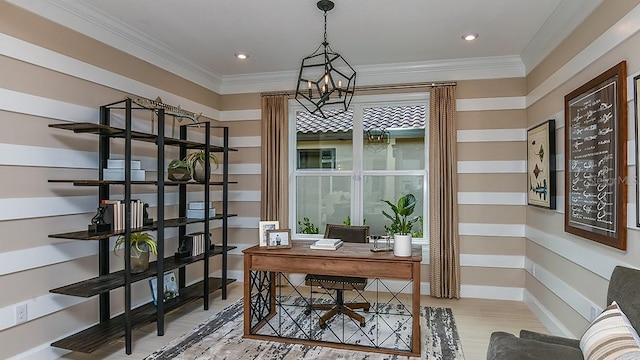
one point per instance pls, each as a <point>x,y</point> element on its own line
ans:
<point>326,244</point>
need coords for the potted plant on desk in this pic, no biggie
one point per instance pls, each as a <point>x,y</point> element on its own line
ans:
<point>141,245</point>
<point>401,225</point>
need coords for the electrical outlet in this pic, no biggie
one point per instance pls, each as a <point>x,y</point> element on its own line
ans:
<point>594,313</point>
<point>21,313</point>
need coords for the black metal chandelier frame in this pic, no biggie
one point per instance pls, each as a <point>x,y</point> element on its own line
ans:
<point>325,77</point>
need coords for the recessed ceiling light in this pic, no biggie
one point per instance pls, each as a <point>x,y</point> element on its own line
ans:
<point>470,36</point>
<point>242,56</point>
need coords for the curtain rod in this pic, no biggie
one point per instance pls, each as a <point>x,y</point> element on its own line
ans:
<point>376,87</point>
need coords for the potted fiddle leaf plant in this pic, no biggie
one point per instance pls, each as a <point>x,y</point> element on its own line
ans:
<point>401,223</point>
<point>196,162</point>
<point>141,245</point>
<point>179,170</point>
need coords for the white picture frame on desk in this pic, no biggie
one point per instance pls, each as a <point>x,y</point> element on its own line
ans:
<point>263,226</point>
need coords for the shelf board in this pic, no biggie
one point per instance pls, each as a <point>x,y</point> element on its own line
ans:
<point>91,339</point>
<point>103,284</point>
<point>122,182</point>
<point>98,129</point>
<point>169,223</point>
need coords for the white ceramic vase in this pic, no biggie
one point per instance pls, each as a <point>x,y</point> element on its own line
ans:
<point>402,245</point>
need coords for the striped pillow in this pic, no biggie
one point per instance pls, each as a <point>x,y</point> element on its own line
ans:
<point>610,337</point>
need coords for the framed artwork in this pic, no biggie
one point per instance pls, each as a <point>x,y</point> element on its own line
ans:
<point>636,85</point>
<point>279,239</point>
<point>263,226</point>
<point>596,159</point>
<point>541,165</point>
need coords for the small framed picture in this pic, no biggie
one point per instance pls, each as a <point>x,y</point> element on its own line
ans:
<point>279,239</point>
<point>263,226</point>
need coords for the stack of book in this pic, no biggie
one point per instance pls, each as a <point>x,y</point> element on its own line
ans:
<point>115,170</point>
<point>326,244</point>
<point>114,214</point>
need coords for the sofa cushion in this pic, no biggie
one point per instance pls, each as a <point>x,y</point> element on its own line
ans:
<point>505,346</point>
<point>610,336</point>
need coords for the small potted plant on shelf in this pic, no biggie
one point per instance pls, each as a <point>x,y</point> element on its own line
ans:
<point>401,225</point>
<point>196,162</point>
<point>141,245</point>
<point>179,170</point>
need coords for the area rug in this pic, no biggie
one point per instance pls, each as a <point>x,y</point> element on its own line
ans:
<point>220,338</point>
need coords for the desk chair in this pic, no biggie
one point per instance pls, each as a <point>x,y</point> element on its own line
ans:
<point>357,234</point>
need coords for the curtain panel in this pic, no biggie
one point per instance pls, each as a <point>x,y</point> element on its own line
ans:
<point>274,195</point>
<point>443,194</point>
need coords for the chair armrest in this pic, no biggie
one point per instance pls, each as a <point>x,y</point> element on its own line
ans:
<point>532,335</point>
<point>505,346</point>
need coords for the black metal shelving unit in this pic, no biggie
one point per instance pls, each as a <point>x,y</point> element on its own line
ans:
<point>111,328</point>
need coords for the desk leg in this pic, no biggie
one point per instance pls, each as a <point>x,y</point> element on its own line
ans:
<point>247,295</point>
<point>415,338</point>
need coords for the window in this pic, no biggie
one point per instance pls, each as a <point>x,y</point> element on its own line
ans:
<point>347,164</point>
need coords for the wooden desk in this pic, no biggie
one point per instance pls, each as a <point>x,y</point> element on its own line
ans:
<point>260,265</point>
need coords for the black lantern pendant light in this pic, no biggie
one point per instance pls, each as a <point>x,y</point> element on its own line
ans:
<point>325,78</point>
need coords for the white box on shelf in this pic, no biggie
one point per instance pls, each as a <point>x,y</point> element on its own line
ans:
<point>199,214</point>
<point>118,175</point>
<point>119,164</point>
<point>199,205</point>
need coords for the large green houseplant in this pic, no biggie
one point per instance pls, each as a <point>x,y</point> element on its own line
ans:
<point>401,223</point>
<point>196,161</point>
<point>141,245</point>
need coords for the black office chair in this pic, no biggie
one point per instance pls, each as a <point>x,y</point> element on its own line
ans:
<point>357,234</point>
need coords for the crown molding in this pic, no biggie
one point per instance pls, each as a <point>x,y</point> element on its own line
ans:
<point>86,20</point>
<point>565,18</point>
<point>497,67</point>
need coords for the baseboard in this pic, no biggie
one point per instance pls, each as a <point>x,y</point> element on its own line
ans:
<point>552,323</point>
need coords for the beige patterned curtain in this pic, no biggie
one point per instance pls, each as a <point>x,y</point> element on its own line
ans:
<point>443,194</point>
<point>274,204</point>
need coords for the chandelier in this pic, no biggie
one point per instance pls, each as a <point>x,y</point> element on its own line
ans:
<point>325,78</point>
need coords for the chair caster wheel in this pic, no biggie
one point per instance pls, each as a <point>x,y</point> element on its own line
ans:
<point>366,309</point>
<point>307,312</point>
<point>362,324</point>
<point>323,326</point>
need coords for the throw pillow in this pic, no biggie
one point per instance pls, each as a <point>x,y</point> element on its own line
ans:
<point>609,337</point>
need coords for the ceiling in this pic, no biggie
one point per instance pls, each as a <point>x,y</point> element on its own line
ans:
<point>197,39</point>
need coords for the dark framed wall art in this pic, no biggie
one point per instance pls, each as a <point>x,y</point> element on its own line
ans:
<point>541,165</point>
<point>596,159</point>
<point>636,86</point>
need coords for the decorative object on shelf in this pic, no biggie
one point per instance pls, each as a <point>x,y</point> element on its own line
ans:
<point>98,225</point>
<point>141,245</point>
<point>192,245</point>
<point>279,239</point>
<point>146,221</point>
<point>541,165</point>
<point>195,210</point>
<point>179,170</point>
<point>263,227</point>
<point>401,225</point>
<point>196,163</point>
<point>115,170</point>
<point>175,111</point>
<point>325,77</point>
<point>171,290</point>
<point>596,159</point>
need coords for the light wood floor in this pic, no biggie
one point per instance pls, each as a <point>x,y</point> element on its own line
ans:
<point>476,320</point>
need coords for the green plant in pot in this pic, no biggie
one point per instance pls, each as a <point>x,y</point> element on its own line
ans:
<point>401,223</point>
<point>196,161</point>
<point>179,170</point>
<point>141,245</point>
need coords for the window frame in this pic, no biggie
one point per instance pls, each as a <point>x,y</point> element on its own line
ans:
<point>357,172</point>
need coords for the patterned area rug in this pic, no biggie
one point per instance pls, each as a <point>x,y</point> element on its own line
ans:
<point>220,338</point>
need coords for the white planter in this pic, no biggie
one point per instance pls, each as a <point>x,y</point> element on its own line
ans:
<point>401,245</point>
